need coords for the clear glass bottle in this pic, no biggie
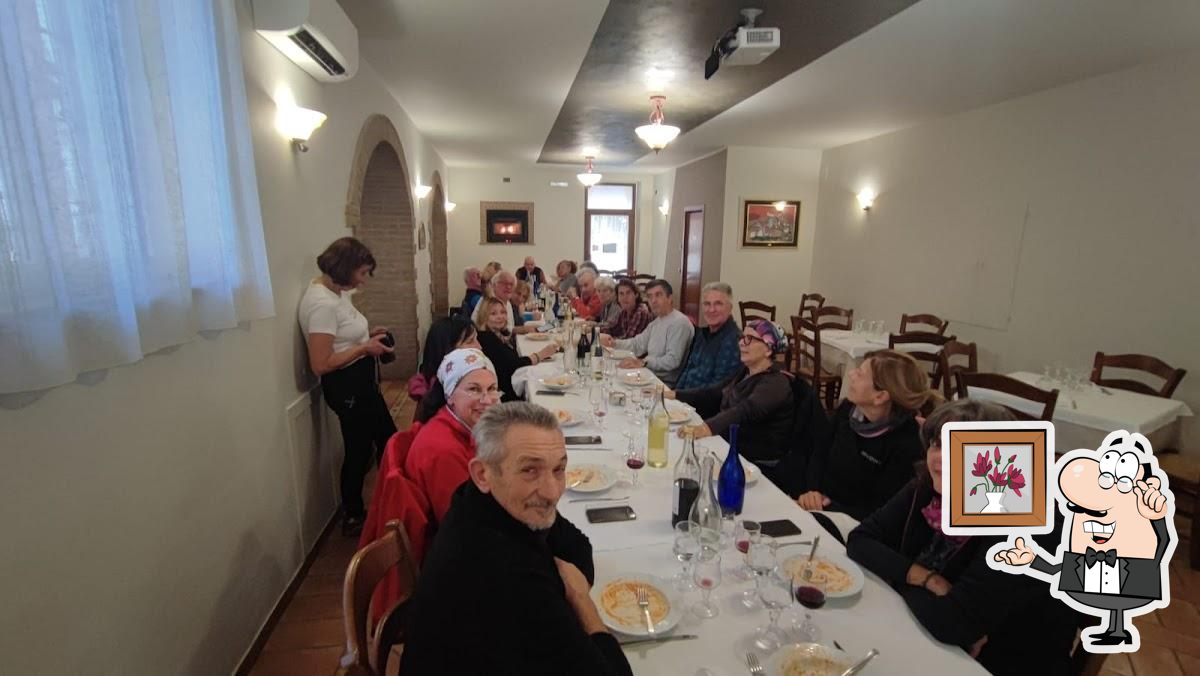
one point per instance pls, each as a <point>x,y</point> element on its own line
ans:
<point>659,427</point>
<point>686,481</point>
<point>706,513</point>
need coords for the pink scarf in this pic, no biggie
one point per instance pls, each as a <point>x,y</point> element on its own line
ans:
<point>933,516</point>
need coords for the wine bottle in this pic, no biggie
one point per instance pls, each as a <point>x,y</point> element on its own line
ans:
<point>731,482</point>
<point>583,354</point>
<point>687,481</point>
<point>660,423</point>
<point>597,356</point>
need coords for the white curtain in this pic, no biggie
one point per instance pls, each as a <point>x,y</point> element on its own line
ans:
<point>129,214</point>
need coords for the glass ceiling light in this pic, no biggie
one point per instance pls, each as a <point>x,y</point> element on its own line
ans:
<point>589,177</point>
<point>656,134</point>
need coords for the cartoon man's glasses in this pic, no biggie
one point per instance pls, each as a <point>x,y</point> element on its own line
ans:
<point>1123,484</point>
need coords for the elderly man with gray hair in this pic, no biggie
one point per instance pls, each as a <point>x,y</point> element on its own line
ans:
<point>586,303</point>
<point>505,587</point>
<point>714,356</point>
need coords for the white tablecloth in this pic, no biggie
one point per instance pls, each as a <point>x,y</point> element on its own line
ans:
<point>877,618</point>
<point>842,351</point>
<point>1082,418</point>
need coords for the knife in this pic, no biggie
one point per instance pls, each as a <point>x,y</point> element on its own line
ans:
<point>597,499</point>
<point>661,639</point>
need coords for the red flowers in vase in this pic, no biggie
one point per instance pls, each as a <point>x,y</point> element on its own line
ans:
<point>1001,478</point>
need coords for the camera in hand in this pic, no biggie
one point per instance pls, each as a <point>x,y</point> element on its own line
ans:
<point>390,341</point>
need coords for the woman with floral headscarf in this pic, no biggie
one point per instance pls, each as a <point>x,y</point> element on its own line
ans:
<point>759,398</point>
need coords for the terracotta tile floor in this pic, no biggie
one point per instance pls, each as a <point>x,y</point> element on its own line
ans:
<point>308,639</point>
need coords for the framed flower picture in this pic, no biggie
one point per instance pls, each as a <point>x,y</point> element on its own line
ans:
<point>995,476</point>
<point>770,223</point>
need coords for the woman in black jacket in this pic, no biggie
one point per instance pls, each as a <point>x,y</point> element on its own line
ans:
<point>500,346</point>
<point>1008,622</point>
<point>875,439</point>
<point>758,398</point>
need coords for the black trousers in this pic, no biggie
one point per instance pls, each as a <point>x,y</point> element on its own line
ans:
<point>353,394</point>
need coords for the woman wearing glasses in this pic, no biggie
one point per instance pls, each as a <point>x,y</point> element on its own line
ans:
<point>758,397</point>
<point>437,461</point>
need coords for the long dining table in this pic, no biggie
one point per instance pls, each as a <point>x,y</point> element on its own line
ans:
<point>875,618</point>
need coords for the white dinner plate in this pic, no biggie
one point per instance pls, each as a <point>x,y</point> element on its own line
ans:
<point>809,658</point>
<point>679,412</point>
<point>539,337</point>
<point>796,563</point>
<point>616,599</point>
<point>595,478</point>
<point>751,469</point>
<point>636,378</point>
<point>568,418</point>
<point>560,382</point>
<point>619,354</point>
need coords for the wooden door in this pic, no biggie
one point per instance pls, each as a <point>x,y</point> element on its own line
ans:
<point>693,247</point>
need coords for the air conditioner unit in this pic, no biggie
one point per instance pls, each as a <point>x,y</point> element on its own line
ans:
<point>315,34</point>
<point>752,46</point>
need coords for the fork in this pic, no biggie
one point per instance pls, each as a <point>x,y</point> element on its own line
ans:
<point>756,669</point>
<point>643,601</point>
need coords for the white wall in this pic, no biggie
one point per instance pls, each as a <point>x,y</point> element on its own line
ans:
<point>557,217</point>
<point>773,276</point>
<point>154,516</point>
<point>1045,228</point>
<point>664,187</point>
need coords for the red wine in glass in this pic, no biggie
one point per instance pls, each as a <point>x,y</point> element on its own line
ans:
<point>635,463</point>
<point>810,597</point>
<point>706,583</point>
<point>743,546</point>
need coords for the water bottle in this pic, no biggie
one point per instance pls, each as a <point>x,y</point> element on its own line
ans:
<point>705,511</point>
<point>731,482</point>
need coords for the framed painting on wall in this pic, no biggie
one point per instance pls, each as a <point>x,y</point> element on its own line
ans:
<point>770,223</point>
<point>506,222</point>
<point>996,476</point>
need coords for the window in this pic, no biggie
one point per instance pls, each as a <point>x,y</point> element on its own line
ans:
<point>608,225</point>
<point>129,214</point>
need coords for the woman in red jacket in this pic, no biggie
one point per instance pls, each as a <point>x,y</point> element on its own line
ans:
<point>437,461</point>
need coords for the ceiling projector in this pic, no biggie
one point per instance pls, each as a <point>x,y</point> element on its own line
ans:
<point>743,45</point>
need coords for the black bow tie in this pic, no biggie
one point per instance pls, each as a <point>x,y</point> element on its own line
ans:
<point>1091,556</point>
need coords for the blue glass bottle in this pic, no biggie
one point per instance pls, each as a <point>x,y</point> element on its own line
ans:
<point>731,481</point>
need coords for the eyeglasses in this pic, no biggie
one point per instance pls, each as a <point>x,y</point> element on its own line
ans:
<point>1107,480</point>
<point>747,339</point>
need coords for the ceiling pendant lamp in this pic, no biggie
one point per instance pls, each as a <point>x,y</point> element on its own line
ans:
<point>656,134</point>
<point>589,177</point>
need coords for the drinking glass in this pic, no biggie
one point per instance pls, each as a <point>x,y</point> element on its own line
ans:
<point>877,328</point>
<point>685,547</point>
<point>635,459</point>
<point>599,400</point>
<point>860,327</point>
<point>775,592</point>
<point>809,590</point>
<point>634,409</point>
<point>647,401</point>
<point>744,532</point>
<point>761,557</point>
<point>610,370</point>
<point>706,573</point>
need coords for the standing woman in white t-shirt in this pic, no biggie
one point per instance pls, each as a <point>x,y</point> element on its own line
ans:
<point>343,351</point>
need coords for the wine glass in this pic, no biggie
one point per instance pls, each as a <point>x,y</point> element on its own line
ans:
<point>647,401</point>
<point>762,559</point>
<point>599,400</point>
<point>744,532</point>
<point>635,459</point>
<point>685,547</point>
<point>635,406</point>
<point>775,592</point>
<point>809,591</point>
<point>706,573</point>
<point>860,327</point>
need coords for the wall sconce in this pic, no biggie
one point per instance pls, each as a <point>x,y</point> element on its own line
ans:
<point>665,207</point>
<point>298,124</point>
<point>450,206</point>
<point>421,191</point>
<point>866,197</point>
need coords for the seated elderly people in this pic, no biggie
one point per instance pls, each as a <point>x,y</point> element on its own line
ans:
<point>946,580</point>
<point>505,586</point>
<point>665,340</point>
<point>758,397</point>
<point>606,288</point>
<point>714,355</point>
<point>564,276</point>
<point>437,460</point>
<point>531,274</point>
<point>633,316</point>
<point>473,278</point>
<point>586,302</point>
<point>875,439</point>
<point>500,347</point>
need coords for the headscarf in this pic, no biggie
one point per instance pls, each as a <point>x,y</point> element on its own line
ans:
<point>771,333</point>
<point>458,364</point>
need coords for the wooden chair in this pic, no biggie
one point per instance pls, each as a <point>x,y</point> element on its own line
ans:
<point>367,646</point>
<point>1137,362</point>
<point>932,360</point>
<point>939,325</point>
<point>806,361</point>
<point>752,309</point>
<point>833,317</point>
<point>641,281</point>
<point>947,368</point>
<point>810,302</point>
<point>1002,383</point>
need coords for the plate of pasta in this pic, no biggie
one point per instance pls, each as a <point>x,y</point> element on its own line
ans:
<point>616,599</point>
<point>844,577</point>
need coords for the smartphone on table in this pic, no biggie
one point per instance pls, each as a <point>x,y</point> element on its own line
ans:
<point>611,514</point>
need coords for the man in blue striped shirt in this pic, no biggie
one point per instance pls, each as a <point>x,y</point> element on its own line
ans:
<point>714,355</point>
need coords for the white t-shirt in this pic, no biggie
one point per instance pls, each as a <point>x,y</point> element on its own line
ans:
<point>323,311</point>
